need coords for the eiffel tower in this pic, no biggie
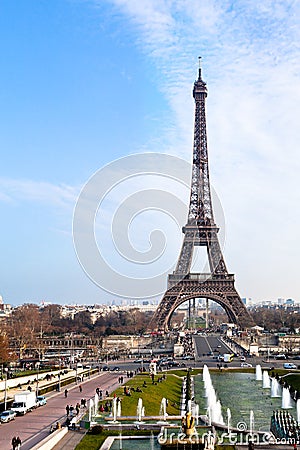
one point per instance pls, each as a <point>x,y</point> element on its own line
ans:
<point>200,230</point>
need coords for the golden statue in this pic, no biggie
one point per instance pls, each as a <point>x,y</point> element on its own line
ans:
<point>188,424</point>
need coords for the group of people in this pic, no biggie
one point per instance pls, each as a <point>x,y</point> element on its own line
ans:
<point>131,373</point>
<point>16,443</point>
<point>70,408</point>
<point>106,407</point>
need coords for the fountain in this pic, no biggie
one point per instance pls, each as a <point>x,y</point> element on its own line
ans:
<point>163,411</point>
<point>119,412</point>
<point>213,404</point>
<point>266,380</point>
<point>115,410</point>
<point>96,401</point>
<point>91,409</point>
<point>275,388</point>
<point>228,420</point>
<point>140,411</point>
<point>251,424</point>
<point>208,414</point>
<point>286,399</point>
<point>196,413</point>
<point>258,373</point>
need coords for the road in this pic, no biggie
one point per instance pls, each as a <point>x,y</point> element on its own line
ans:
<point>205,345</point>
<point>213,343</point>
<point>35,426</point>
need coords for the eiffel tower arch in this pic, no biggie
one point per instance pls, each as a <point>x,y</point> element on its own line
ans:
<point>200,230</point>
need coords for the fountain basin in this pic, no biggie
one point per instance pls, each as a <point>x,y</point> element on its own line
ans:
<point>241,393</point>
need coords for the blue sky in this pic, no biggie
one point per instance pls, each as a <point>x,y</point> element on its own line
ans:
<point>83,83</point>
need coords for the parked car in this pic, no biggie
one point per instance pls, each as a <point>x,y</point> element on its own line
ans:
<point>115,369</point>
<point>280,356</point>
<point>246,365</point>
<point>289,366</point>
<point>7,416</point>
<point>243,359</point>
<point>41,400</point>
<point>173,363</point>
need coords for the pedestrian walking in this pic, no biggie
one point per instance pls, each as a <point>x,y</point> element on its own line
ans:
<point>68,409</point>
<point>66,393</point>
<point>14,443</point>
<point>80,388</point>
<point>18,442</point>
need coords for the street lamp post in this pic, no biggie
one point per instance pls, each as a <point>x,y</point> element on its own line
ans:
<point>76,368</point>
<point>5,388</point>
<point>59,375</point>
<point>37,379</point>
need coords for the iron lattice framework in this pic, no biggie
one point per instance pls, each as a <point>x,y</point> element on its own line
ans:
<point>200,230</point>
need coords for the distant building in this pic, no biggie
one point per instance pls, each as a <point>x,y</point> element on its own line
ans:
<point>5,309</point>
<point>247,301</point>
<point>289,302</point>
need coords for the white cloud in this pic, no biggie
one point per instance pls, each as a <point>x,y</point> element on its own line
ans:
<point>33,191</point>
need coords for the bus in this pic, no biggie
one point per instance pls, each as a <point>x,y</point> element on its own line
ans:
<point>228,357</point>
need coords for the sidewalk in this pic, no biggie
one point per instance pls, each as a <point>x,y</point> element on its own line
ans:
<point>42,382</point>
<point>70,440</point>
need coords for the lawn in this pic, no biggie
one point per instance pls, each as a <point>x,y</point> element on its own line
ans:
<point>170,388</point>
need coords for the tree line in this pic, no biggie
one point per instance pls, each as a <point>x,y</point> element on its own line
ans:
<point>28,324</point>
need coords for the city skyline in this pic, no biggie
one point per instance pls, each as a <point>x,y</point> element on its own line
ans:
<point>85,83</point>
